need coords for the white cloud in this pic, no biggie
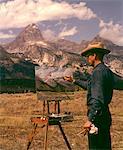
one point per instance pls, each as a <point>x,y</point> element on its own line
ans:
<point>6,36</point>
<point>49,35</point>
<point>67,32</point>
<point>111,31</point>
<point>19,13</point>
<point>59,23</point>
<point>52,36</point>
<point>10,31</point>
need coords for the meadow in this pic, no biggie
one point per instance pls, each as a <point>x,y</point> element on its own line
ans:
<point>15,125</point>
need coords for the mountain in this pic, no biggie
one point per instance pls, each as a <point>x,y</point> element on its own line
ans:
<point>31,45</point>
<point>51,60</point>
<point>16,75</point>
<point>29,36</point>
<point>30,33</point>
<point>55,59</point>
<point>66,45</point>
<point>74,47</point>
<point>13,67</point>
<point>5,59</point>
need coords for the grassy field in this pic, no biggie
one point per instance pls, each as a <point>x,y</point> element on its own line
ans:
<point>15,125</point>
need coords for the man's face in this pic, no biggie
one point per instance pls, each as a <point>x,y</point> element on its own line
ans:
<point>91,59</point>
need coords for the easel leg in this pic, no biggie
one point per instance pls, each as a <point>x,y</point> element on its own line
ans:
<point>58,107</point>
<point>46,136</point>
<point>31,136</point>
<point>44,107</point>
<point>65,138</point>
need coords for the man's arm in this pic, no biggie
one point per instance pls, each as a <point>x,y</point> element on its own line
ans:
<point>81,76</point>
<point>81,79</point>
<point>83,84</point>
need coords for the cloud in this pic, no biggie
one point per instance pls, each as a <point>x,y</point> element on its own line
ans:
<point>67,32</point>
<point>52,36</point>
<point>11,32</point>
<point>111,31</point>
<point>49,35</point>
<point>6,36</point>
<point>19,13</point>
<point>60,22</point>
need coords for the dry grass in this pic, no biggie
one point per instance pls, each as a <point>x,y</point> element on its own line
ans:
<point>15,126</point>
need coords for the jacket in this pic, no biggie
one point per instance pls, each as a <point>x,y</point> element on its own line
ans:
<point>99,87</point>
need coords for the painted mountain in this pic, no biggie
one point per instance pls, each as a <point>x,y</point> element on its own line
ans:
<point>54,59</point>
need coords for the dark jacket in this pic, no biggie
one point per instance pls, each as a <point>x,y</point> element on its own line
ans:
<point>100,87</point>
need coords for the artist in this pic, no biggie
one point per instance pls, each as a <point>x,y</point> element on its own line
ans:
<point>100,90</point>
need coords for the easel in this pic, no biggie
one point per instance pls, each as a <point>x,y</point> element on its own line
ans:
<point>51,118</point>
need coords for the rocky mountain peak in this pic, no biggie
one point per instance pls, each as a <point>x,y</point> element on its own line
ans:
<point>30,33</point>
<point>29,36</point>
<point>30,26</point>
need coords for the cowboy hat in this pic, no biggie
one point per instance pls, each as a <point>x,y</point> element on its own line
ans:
<point>95,48</point>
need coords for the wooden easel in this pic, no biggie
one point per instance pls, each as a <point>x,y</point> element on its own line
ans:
<point>51,118</point>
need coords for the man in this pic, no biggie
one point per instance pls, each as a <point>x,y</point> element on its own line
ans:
<point>100,90</point>
<point>99,95</point>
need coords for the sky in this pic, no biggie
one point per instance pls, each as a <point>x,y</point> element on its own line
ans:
<point>74,20</point>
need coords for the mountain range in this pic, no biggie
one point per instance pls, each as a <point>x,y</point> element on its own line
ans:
<point>54,59</point>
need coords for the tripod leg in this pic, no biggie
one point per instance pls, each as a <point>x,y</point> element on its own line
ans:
<point>64,136</point>
<point>46,135</point>
<point>31,136</point>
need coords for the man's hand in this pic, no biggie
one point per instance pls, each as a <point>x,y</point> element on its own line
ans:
<point>87,125</point>
<point>68,78</point>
